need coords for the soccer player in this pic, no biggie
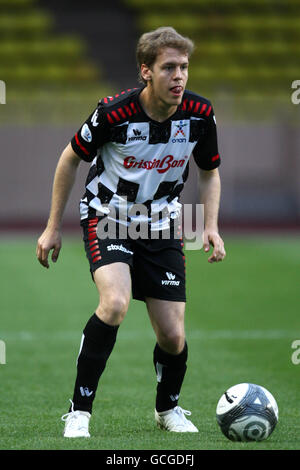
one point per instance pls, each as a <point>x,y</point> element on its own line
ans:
<point>139,143</point>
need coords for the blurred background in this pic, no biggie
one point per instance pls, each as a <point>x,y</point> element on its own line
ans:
<point>58,58</point>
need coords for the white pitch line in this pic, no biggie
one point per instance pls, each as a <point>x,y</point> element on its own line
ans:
<point>127,334</point>
<point>242,334</point>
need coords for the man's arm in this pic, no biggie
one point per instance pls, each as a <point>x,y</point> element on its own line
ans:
<point>210,191</point>
<point>64,178</point>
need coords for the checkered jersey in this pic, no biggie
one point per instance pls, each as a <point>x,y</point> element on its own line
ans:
<point>141,161</point>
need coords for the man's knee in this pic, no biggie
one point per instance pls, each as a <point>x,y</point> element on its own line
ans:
<point>112,308</point>
<point>114,286</point>
<point>172,341</point>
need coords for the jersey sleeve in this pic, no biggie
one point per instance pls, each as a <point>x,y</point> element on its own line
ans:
<point>206,153</point>
<point>91,135</point>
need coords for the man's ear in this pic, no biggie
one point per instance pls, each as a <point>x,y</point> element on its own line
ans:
<point>146,72</point>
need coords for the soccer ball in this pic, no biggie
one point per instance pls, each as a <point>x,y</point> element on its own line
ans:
<point>247,412</point>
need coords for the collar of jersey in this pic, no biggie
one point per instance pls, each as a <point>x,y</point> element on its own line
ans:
<point>157,123</point>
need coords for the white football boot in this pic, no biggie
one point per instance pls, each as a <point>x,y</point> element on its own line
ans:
<point>77,423</point>
<point>175,420</point>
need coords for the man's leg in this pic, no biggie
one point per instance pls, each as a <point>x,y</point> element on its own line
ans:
<point>113,282</point>
<point>169,357</point>
<point>170,353</point>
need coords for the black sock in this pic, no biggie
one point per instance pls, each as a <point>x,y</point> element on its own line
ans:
<point>170,370</point>
<point>97,343</point>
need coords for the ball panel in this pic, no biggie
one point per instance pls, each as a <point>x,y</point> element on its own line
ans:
<point>231,398</point>
<point>272,402</point>
<point>247,412</point>
<point>251,428</point>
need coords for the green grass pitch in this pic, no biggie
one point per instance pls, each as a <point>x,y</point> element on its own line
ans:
<point>242,316</point>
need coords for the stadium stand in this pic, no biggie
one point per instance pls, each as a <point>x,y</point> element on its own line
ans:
<point>246,51</point>
<point>41,67</point>
<point>248,48</point>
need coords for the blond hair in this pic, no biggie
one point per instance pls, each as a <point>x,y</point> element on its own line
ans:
<point>150,44</point>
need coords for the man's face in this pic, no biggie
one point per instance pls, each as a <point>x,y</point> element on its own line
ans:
<point>169,75</point>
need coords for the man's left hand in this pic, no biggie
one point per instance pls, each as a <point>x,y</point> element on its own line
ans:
<point>212,238</point>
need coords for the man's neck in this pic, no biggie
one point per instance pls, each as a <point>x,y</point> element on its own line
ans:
<point>155,108</point>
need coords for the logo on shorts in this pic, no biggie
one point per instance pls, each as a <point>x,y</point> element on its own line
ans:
<point>170,281</point>
<point>119,247</point>
<point>170,276</point>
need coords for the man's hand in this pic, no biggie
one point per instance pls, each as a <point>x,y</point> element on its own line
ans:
<point>49,240</point>
<point>64,178</point>
<point>213,238</point>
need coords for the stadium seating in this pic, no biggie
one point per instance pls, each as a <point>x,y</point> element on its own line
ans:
<point>249,48</point>
<point>42,67</point>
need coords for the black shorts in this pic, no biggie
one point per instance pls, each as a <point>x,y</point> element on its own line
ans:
<point>157,266</point>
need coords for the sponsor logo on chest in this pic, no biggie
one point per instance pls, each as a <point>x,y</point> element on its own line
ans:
<point>137,135</point>
<point>161,165</point>
<point>179,135</point>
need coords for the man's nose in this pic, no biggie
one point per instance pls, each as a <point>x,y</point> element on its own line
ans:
<point>178,73</point>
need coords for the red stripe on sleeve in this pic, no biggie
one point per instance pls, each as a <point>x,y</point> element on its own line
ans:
<point>115,115</point>
<point>81,146</point>
<point>109,118</point>
<point>203,108</point>
<point>121,112</point>
<point>133,108</point>
<point>208,111</point>
<point>197,107</point>
<point>191,104</point>
<point>216,157</point>
<point>128,111</point>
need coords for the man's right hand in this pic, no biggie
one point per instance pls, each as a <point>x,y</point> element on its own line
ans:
<point>49,240</point>
<point>64,178</point>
